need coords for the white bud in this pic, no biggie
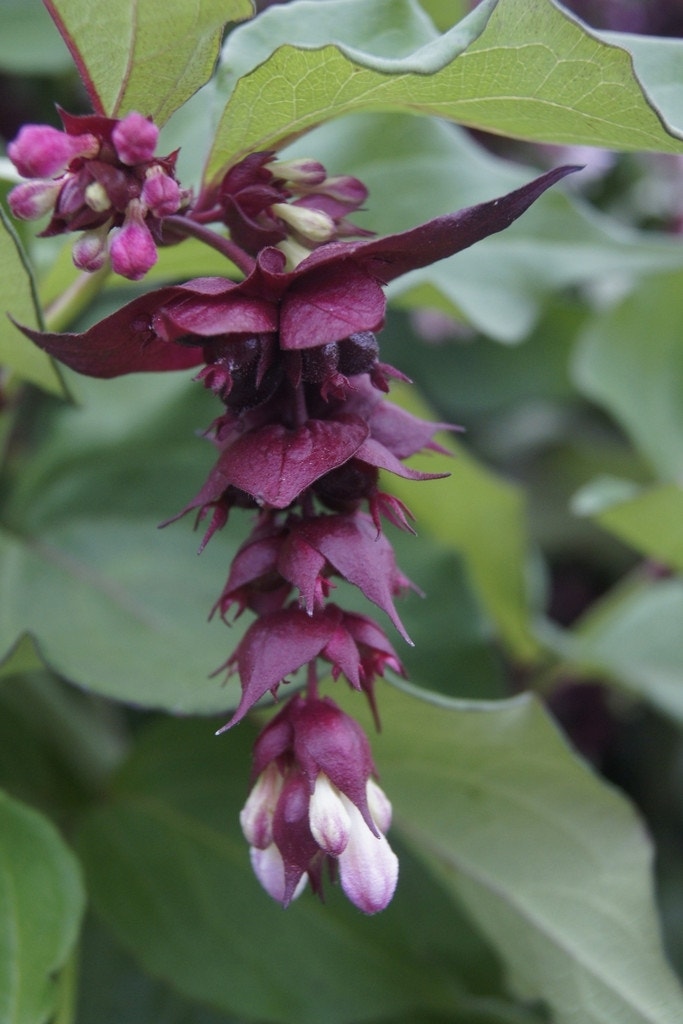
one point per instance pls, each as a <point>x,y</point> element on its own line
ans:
<point>313,224</point>
<point>368,867</point>
<point>328,817</point>
<point>269,868</point>
<point>256,817</point>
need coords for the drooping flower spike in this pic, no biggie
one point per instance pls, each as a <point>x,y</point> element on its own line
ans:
<point>304,433</point>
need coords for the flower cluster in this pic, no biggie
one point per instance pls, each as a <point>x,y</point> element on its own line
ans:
<point>290,203</point>
<point>304,432</point>
<point>315,802</point>
<point>98,176</point>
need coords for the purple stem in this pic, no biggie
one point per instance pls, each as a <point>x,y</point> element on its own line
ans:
<point>186,226</point>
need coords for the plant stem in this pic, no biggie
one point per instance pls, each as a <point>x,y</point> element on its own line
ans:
<point>186,226</point>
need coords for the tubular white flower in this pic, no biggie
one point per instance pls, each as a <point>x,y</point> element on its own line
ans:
<point>256,817</point>
<point>379,804</point>
<point>269,868</point>
<point>328,817</point>
<point>368,867</point>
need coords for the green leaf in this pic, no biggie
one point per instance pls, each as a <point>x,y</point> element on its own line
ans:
<point>550,862</point>
<point>41,903</point>
<point>647,519</point>
<point>633,639</point>
<point>169,873</point>
<point>481,517</point>
<point>17,297</point>
<point>521,68</point>
<point>143,55</point>
<point>112,602</point>
<point>630,360</point>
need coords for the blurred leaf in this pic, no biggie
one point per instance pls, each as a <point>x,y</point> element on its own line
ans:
<point>17,297</point>
<point>144,55</point>
<point>169,872</point>
<point>521,68</point>
<point>41,903</point>
<point>649,520</point>
<point>481,517</point>
<point>112,602</point>
<point>551,863</point>
<point>630,360</point>
<point>632,638</point>
<point>29,42</point>
<point>113,989</point>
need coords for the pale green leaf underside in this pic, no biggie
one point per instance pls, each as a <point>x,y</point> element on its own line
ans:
<point>17,298</point>
<point>522,68</point>
<point>633,639</point>
<point>41,902</point>
<point>630,360</point>
<point>650,520</point>
<point>142,55</point>
<point>551,863</point>
<point>481,517</point>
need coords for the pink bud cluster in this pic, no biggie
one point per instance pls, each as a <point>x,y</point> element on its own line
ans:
<point>98,176</point>
<point>315,803</point>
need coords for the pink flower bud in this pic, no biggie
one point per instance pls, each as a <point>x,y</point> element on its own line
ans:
<point>135,139</point>
<point>346,189</point>
<point>33,199</point>
<point>132,247</point>
<point>303,171</point>
<point>40,151</point>
<point>160,193</point>
<point>90,250</point>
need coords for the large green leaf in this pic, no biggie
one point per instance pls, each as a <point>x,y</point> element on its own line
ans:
<point>143,55</point>
<point>169,873</point>
<point>516,67</point>
<point>649,519</point>
<point>551,863</point>
<point>112,602</point>
<point>17,297</point>
<point>41,903</point>
<point>630,360</point>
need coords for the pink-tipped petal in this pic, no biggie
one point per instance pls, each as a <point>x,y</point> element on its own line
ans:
<point>368,867</point>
